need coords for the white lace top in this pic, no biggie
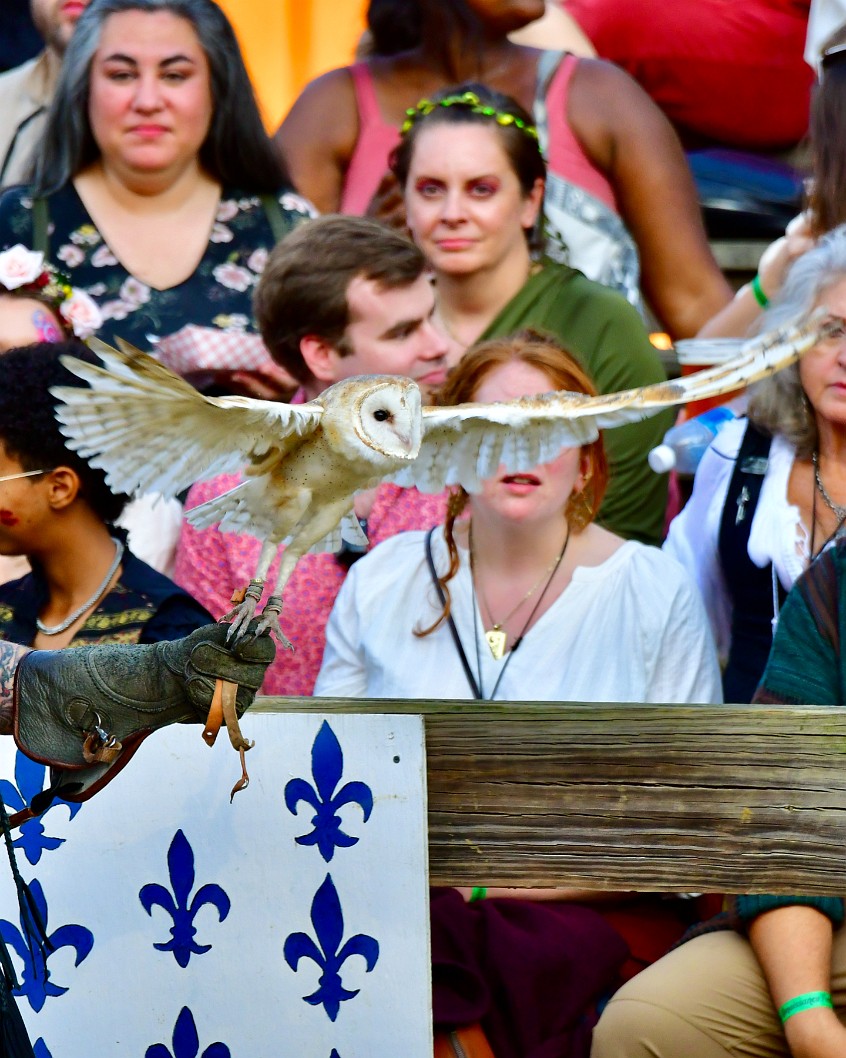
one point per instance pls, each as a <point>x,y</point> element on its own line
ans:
<point>629,630</point>
<point>777,534</point>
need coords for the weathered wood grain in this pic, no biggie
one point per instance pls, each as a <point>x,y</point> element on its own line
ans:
<point>662,798</point>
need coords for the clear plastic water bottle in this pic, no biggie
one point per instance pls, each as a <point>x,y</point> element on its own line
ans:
<point>685,444</point>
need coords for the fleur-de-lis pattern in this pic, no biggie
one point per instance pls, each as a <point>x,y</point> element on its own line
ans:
<point>327,766</point>
<point>29,781</point>
<point>186,1042</point>
<point>180,865</point>
<point>329,953</point>
<point>36,985</point>
<point>113,870</point>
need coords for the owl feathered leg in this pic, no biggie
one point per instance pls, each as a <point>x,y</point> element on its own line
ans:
<point>269,620</point>
<point>312,529</point>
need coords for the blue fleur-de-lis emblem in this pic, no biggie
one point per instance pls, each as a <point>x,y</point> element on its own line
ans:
<point>328,921</point>
<point>327,766</point>
<point>36,984</point>
<point>180,865</point>
<point>40,1049</point>
<point>29,781</point>
<point>186,1042</point>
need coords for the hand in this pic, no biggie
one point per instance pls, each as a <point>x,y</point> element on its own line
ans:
<point>816,1033</point>
<point>260,384</point>
<point>779,256</point>
<point>121,690</point>
<point>207,655</point>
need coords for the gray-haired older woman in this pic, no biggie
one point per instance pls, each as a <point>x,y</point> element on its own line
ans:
<point>770,493</point>
<point>156,189</point>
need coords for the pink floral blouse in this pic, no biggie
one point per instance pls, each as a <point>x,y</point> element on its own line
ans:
<point>211,565</point>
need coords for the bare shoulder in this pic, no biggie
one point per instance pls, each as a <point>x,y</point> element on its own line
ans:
<point>317,138</point>
<point>327,103</point>
<point>605,104</point>
<point>606,79</point>
<point>595,545</point>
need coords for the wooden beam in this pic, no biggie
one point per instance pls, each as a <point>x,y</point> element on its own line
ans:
<point>654,798</point>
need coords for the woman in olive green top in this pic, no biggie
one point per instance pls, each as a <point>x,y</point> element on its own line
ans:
<point>473,179</point>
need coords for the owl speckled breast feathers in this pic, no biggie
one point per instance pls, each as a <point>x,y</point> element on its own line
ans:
<point>302,464</point>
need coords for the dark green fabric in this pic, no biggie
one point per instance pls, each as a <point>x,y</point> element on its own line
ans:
<point>806,663</point>
<point>749,907</point>
<point>62,695</point>
<point>806,667</point>
<point>607,336</point>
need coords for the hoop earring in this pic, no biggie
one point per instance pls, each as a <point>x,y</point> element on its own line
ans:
<point>579,511</point>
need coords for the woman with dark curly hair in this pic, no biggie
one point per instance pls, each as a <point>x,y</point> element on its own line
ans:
<point>56,509</point>
<point>473,178</point>
<point>620,196</point>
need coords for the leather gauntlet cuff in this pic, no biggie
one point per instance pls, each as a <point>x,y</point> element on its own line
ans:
<point>88,707</point>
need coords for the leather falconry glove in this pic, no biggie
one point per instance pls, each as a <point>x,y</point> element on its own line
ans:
<point>85,711</point>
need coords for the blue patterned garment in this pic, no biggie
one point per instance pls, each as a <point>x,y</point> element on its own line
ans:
<point>218,293</point>
<point>143,607</point>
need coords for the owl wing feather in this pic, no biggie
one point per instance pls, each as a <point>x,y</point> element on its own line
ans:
<point>153,432</point>
<point>464,444</point>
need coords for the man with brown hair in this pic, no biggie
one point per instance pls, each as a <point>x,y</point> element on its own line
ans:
<point>340,296</point>
<point>344,296</point>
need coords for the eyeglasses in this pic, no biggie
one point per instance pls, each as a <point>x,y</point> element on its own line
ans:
<point>832,55</point>
<point>26,474</point>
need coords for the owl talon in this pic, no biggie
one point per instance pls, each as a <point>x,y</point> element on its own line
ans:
<point>240,616</point>
<point>269,621</point>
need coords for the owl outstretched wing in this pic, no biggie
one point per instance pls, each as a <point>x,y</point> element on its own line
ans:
<point>464,444</point>
<point>153,432</point>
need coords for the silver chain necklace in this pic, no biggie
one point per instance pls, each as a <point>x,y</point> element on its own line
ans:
<point>54,630</point>
<point>838,511</point>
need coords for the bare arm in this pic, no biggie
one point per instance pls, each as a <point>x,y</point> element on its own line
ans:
<point>582,896</point>
<point>317,138</point>
<point>10,655</point>
<point>793,946</point>
<point>627,137</point>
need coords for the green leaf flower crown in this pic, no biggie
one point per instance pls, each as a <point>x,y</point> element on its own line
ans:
<point>468,101</point>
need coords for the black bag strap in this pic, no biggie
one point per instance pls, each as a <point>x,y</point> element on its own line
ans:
<point>465,664</point>
<point>744,489</point>
<point>275,216</point>
<point>41,226</point>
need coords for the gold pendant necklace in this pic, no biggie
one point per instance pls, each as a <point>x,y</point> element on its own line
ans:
<point>496,640</point>
<point>496,637</point>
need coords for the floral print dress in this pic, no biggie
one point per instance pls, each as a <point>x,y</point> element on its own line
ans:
<point>218,294</point>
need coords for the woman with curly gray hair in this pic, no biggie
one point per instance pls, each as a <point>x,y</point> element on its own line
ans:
<point>770,493</point>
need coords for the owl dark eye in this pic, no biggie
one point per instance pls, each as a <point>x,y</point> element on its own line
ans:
<point>380,415</point>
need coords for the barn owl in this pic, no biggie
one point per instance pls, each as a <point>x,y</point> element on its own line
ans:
<point>153,432</point>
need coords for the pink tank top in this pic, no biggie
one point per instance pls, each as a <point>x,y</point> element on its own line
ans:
<point>564,152</point>
<point>376,140</point>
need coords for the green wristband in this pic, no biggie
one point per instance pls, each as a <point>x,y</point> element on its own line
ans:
<point>758,291</point>
<point>806,1001</point>
<point>479,892</point>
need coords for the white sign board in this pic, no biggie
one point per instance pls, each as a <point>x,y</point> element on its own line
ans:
<point>293,922</point>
